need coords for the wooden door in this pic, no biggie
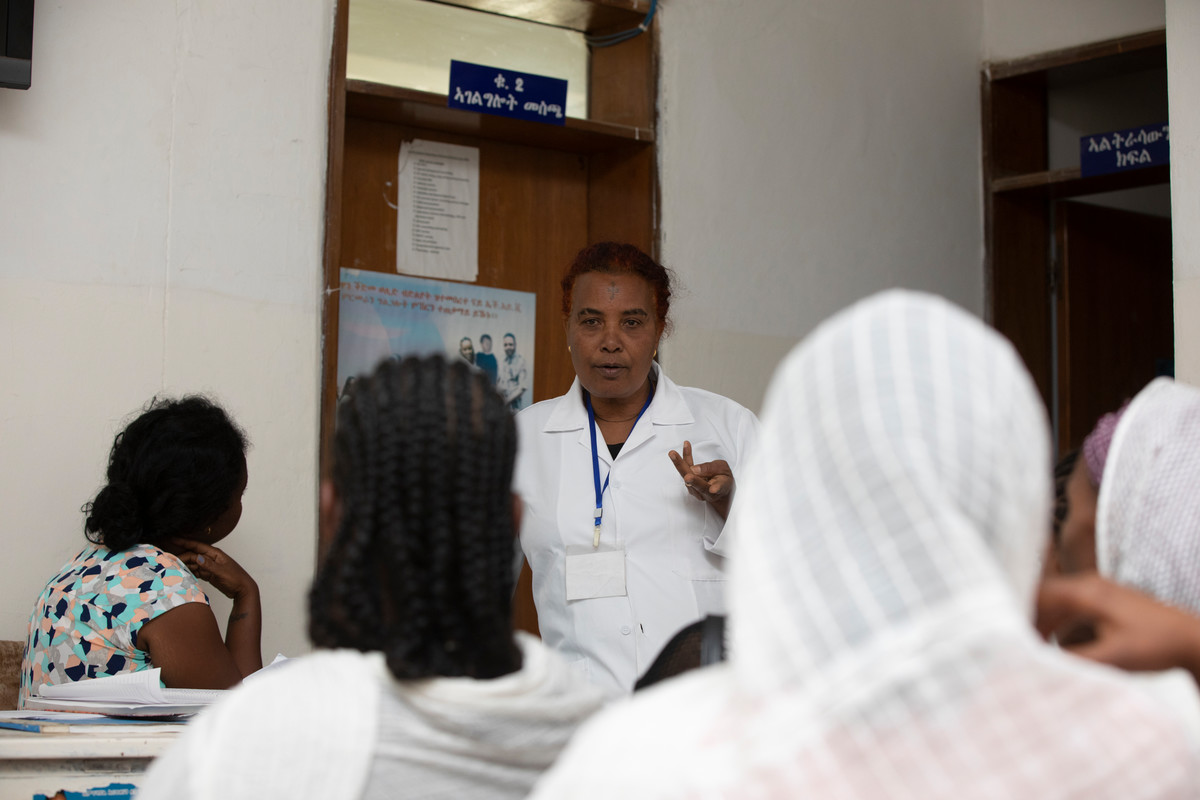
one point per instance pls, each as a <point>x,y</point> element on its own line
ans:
<point>1115,311</point>
<point>545,191</point>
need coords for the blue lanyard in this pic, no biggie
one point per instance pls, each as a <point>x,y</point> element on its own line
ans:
<point>598,515</point>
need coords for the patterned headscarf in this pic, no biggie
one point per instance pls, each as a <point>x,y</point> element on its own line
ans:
<point>1096,445</point>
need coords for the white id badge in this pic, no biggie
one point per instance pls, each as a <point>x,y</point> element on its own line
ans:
<point>595,572</point>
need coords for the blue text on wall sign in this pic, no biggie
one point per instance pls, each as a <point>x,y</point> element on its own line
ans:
<point>1135,148</point>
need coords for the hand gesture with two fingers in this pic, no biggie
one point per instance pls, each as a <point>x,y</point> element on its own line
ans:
<point>711,481</point>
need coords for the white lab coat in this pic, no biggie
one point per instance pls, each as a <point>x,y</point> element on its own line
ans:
<point>674,553</point>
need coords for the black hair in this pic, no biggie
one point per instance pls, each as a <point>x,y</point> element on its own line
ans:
<point>1062,474</point>
<point>483,336</point>
<point>421,565</point>
<point>171,472</point>
<point>697,645</point>
<point>616,258</point>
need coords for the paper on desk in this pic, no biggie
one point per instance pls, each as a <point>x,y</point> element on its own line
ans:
<point>280,661</point>
<point>90,722</point>
<point>116,709</point>
<point>141,688</point>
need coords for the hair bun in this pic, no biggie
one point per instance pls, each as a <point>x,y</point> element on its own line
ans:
<point>115,513</point>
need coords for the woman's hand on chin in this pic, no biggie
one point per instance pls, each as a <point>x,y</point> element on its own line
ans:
<point>215,566</point>
<point>711,481</point>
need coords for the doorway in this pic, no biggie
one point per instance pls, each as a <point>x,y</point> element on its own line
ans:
<point>1078,268</point>
<point>1113,309</point>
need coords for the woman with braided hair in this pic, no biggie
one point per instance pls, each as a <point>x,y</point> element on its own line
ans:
<point>421,689</point>
<point>130,600</point>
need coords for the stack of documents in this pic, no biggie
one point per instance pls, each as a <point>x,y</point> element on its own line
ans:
<point>71,722</point>
<point>130,694</point>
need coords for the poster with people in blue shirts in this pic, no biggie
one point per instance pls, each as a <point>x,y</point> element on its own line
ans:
<point>382,315</point>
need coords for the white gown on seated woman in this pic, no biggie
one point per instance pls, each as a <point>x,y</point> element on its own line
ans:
<point>335,725</point>
<point>882,584</point>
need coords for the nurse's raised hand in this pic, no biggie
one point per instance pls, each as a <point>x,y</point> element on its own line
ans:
<point>711,481</point>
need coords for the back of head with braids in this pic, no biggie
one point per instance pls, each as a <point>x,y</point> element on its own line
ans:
<point>173,471</point>
<point>421,564</point>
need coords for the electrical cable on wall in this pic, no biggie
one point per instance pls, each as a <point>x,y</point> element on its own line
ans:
<point>609,39</point>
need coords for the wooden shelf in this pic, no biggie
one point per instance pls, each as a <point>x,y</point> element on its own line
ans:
<point>1068,182</point>
<point>376,101</point>
<point>587,16</point>
<point>1142,51</point>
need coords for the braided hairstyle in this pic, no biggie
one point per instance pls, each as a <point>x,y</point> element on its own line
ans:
<point>172,471</point>
<point>421,565</point>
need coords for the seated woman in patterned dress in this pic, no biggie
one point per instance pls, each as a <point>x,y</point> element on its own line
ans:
<point>130,600</point>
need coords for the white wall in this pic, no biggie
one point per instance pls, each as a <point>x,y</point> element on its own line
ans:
<point>1018,28</point>
<point>161,219</point>
<point>161,223</point>
<point>811,154</point>
<point>1183,68</point>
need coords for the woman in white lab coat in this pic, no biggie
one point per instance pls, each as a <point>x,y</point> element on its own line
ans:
<point>627,479</point>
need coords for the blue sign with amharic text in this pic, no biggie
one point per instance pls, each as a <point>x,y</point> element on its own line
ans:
<point>1103,153</point>
<point>507,93</point>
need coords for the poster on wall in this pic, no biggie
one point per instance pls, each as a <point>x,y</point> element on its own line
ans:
<point>382,315</point>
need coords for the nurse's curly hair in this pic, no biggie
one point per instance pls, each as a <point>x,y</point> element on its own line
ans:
<point>421,565</point>
<point>617,258</point>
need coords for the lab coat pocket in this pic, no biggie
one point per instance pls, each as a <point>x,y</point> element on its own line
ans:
<point>703,570</point>
<point>710,596</point>
<point>693,523</point>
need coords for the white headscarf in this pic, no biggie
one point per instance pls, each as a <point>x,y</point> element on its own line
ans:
<point>882,585</point>
<point>1148,512</point>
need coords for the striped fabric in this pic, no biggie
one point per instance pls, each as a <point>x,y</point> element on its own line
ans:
<point>1148,512</point>
<point>882,582</point>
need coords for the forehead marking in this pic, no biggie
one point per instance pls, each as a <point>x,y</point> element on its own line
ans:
<point>613,291</point>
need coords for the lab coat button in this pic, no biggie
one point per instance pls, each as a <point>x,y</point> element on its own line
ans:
<point>625,629</point>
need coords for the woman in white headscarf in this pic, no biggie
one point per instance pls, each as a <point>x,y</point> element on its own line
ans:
<point>1147,531</point>
<point>882,588</point>
<point>1146,536</point>
<point>1148,512</point>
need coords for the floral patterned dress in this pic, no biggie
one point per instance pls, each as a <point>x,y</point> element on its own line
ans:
<point>85,623</point>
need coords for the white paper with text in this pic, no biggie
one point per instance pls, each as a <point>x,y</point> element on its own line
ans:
<point>437,211</point>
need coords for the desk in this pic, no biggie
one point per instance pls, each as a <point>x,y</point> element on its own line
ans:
<point>81,765</point>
